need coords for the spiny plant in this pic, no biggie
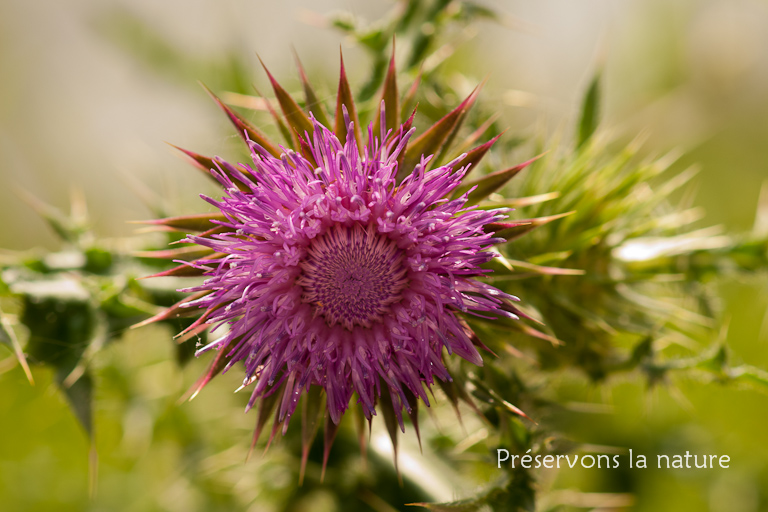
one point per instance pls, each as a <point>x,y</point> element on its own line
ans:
<point>340,264</point>
<point>612,275</point>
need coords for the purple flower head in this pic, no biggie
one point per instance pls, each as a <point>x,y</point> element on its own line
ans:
<point>343,268</point>
<point>333,275</point>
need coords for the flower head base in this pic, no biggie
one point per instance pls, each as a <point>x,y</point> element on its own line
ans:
<point>344,264</point>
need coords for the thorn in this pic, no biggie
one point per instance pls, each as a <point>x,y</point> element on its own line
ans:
<point>331,429</point>
<point>16,346</point>
<point>78,208</point>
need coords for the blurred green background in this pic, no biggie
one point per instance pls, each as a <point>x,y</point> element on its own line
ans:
<point>91,89</point>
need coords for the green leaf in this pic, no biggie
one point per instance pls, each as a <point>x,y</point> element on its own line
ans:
<point>79,395</point>
<point>98,260</point>
<point>590,111</point>
<point>60,319</point>
<point>122,311</point>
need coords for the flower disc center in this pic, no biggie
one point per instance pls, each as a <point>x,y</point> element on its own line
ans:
<point>351,275</point>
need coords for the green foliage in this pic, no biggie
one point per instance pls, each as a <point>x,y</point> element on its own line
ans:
<point>71,303</point>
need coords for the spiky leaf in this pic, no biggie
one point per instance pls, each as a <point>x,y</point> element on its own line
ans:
<point>297,119</point>
<point>244,129</point>
<point>432,141</point>
<point>590,111</point>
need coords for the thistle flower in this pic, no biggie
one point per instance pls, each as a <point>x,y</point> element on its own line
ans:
<point>334,275</point>
<point>338,267</point>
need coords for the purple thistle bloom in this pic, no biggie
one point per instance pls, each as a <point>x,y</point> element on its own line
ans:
<point>334,275</point>
<point>340,269</point>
